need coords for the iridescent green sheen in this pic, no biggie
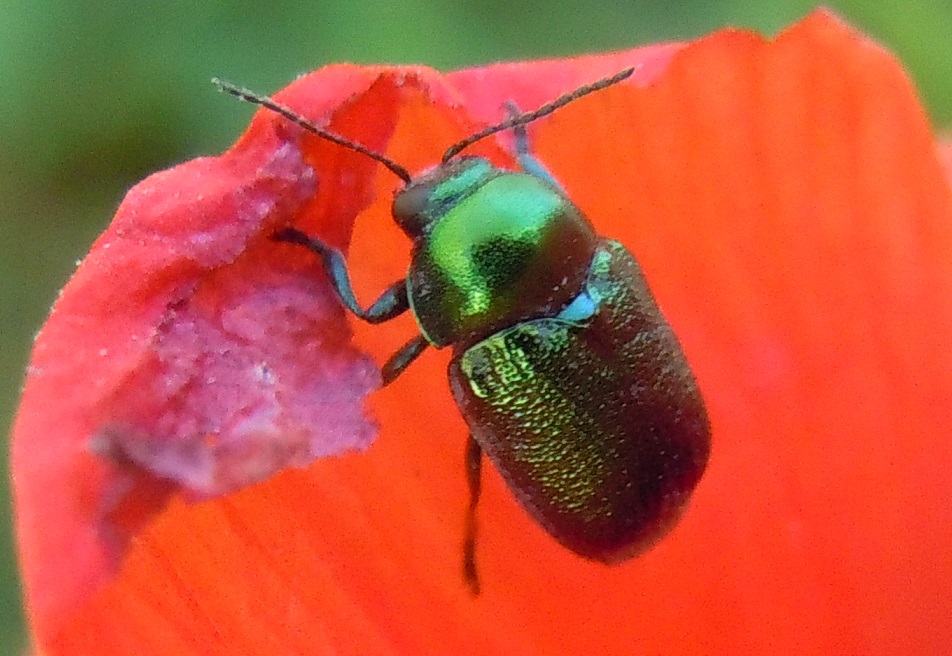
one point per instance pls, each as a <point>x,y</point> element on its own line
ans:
<point>593,416</point>
<point>509,249</point>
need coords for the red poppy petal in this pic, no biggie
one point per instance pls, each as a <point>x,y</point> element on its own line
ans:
<point>187,351</point>
<point>945,156</point>
<point>796,233</point>
<point>531,84</point>
<point>786,202</point>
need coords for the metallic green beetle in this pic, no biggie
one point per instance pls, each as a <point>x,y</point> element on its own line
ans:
<point>563,367</point>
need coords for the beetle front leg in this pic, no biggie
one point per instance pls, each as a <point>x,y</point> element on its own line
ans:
<point>474,464</point>
<point>527,161</point>
<point>392,303</point>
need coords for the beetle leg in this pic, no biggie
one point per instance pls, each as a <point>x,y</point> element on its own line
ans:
<point>391,303</point>
<point>474,463</point>
<point>402,358</point>
<point>527,162</point>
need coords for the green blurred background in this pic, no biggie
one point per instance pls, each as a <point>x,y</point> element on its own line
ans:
<point>94,96</point>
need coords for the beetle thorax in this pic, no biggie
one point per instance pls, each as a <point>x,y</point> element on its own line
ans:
<point>491,248</point>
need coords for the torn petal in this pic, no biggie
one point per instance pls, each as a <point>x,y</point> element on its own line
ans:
<point>254,374</point>
<point>189,353</point>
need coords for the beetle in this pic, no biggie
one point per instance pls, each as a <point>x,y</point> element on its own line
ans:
<point>563,367</point>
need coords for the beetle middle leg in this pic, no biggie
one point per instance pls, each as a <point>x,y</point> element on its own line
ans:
<point>474,465</point>
<point>402,358</point>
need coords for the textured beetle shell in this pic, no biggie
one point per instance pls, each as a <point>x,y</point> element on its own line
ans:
<point>597,424</point>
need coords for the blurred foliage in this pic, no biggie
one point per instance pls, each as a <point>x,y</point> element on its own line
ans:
<point>98,94</point>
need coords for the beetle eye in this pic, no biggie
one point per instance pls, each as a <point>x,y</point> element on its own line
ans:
<point>410,207</point>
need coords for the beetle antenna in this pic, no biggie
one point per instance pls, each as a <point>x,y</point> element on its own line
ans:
<point>545,110</point>
<point>294,117</point>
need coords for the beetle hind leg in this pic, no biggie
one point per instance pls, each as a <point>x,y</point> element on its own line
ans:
<point>474,463</point>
